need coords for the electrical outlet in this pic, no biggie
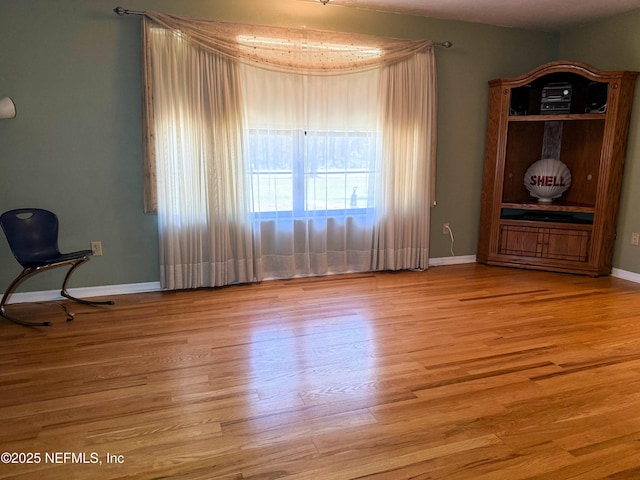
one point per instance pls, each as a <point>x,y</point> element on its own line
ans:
<point>445,229</point>
<point>96,248</point>
<point>635,238</point>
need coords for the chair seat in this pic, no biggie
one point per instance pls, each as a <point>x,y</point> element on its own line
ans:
<point>51,259</point>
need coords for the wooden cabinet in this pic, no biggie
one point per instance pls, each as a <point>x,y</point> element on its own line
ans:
<point>576,114</point>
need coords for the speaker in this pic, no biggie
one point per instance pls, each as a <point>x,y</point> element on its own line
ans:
<point>519,104</point>
<point>597,97</point>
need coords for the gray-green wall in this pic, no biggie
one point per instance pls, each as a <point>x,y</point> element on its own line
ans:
<point>73,69</point>
<point>614,44</point>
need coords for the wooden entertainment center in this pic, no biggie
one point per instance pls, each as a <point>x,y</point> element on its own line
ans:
<point>584,123</point>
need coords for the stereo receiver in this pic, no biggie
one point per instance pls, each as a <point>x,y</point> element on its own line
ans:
<point>556,98</point>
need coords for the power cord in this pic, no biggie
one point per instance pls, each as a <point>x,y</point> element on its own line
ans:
<point>448,229</point>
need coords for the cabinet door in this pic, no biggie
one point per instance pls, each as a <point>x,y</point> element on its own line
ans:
<point>521,241</point>
<point>562,244</point>
<point>567,244</point>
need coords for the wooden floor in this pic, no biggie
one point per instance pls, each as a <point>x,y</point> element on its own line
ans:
<point>459,372</point>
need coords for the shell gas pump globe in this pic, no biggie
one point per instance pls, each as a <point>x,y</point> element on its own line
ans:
<point>547,179</point>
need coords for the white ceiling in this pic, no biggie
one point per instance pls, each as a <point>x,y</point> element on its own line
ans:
<point>545,15</point>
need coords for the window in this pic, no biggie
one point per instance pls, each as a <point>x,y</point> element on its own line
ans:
<point>299,173</point>
<point>312,143</point>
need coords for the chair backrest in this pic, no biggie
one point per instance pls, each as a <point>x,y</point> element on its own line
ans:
<point>32,234</point>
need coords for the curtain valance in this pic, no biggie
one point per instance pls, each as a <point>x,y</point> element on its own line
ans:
<point>298,50</point>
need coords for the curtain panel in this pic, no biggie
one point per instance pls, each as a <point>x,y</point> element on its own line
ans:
<point>273,152</point>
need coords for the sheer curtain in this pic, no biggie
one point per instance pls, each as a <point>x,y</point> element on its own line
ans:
<point>407,186</point>
<point>205,235</point>
<point>314,157</point>
<point>274,153</point>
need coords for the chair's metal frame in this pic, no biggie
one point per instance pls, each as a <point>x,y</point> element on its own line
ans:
<point>31,271</point>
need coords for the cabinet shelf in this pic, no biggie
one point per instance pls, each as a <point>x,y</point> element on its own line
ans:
<point>553,207</point>
<point>557,117</point>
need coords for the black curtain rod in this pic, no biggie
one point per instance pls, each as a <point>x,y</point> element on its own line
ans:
<point>123,11</point>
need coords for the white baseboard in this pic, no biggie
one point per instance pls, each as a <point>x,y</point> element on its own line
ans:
<point>435,262</point>
<point>89,292</point>
<point>625,275</point>
<point>85,292</point>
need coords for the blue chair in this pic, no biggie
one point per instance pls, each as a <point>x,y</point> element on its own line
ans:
<point>32,234</point>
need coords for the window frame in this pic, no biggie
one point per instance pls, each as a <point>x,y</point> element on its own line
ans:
<point>299,175</point>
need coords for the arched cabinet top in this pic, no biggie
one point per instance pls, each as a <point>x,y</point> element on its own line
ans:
<point>560,68</point>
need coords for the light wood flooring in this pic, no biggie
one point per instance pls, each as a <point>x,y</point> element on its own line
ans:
<point>459,372</point>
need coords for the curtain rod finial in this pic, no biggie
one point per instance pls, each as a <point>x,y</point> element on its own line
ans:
<point>123,11</point>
